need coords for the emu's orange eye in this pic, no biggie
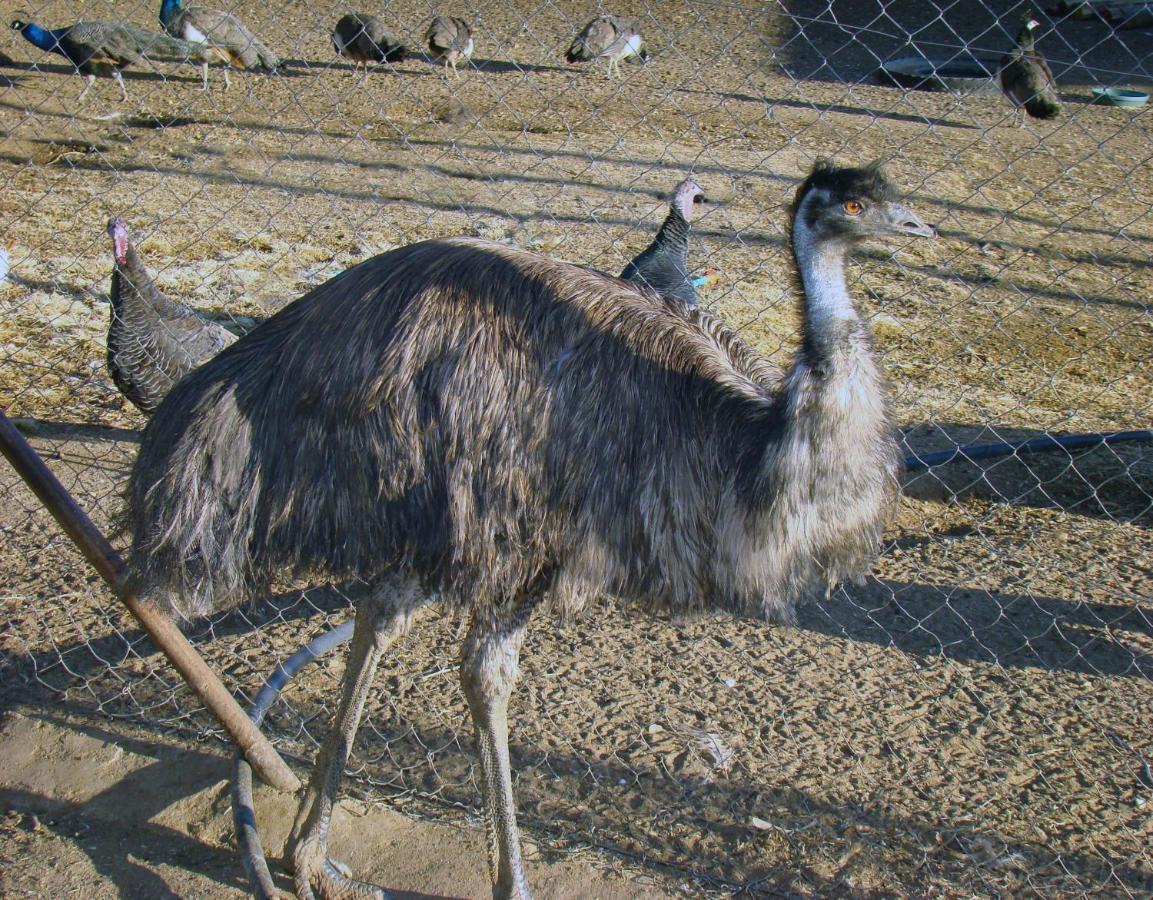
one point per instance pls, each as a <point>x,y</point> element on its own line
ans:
<point>853,207</point>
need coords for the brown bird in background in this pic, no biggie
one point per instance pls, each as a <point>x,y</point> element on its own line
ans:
<point>1027,80</point>
<point>612,38</point>
<point>449,38</point>
<point>364,40</point>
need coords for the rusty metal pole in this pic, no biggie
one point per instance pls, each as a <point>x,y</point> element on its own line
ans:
<point>164,633</point>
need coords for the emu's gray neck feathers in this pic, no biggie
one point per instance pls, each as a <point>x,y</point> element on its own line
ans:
<point>829,314</point>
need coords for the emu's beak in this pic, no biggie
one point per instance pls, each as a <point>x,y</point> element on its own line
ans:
<point>904,221</point>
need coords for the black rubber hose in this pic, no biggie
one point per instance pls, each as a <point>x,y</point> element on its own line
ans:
<point>919,461</point>
<point>243,813</point>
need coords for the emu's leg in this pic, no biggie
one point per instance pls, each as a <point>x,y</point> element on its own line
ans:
<point>489,660</point>
<point>380,620</point>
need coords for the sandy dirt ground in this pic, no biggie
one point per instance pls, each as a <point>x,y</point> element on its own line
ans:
<point>973,721</point>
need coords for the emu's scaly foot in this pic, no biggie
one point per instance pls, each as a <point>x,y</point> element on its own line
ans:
<point>318,876</point>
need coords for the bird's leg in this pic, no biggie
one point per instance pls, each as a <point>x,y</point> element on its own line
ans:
<point>380,620</point>
<point>227,80</point>
<point>204,75</point>
<point>489,661</point>
<point>120,81</point>
<point>89,81</point>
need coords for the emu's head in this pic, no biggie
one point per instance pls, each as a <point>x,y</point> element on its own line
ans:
<point>848,205</point>
<point>685,195</point>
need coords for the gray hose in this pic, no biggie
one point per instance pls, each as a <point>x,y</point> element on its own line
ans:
<point>243,814</point>
<point>919,461</point>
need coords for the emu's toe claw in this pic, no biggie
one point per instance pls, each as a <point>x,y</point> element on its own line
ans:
<point>333,881</point>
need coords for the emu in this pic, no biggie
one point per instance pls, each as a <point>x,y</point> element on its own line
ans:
<point>461,420</point>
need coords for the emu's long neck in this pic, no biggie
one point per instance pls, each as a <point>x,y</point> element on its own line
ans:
<point>837,412</point>
<point>830,319</point>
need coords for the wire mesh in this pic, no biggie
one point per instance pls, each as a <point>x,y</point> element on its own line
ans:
<point>972,720</point>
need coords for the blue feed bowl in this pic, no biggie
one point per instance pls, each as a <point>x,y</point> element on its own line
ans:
<point>1126,97</point>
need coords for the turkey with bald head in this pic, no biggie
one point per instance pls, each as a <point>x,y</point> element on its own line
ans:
<point>153,341</point>
<point>663,265</point>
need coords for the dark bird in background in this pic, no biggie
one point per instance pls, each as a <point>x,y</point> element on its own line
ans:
<point>232,43</point>
<point>450,39</point>
<point>465,423</point>
<point>153,341</point>
<point>105,47</point>
<point>365,40</point>
<point>1026,78</point>
<point>663,268</point>
<point>663,265</point>
<point>612,38</point>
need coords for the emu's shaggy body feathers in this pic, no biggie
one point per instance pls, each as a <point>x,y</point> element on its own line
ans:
<point>493,421</point>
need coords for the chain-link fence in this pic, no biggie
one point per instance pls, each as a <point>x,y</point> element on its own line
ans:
<point>973,720</point>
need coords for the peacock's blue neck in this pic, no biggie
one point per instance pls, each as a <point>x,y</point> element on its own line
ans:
<point>41,37</point>
<point>169,10</point>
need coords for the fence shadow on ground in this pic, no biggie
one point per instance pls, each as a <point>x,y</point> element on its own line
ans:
<point>971,624</point>
<point>130,74</point>
<point>713,814</point>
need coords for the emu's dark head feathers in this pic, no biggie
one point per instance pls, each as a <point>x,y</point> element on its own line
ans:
<point>852,204</point>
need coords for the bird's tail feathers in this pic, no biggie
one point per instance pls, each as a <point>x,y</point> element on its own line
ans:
<point>163,48</point>
<point>1042,106</point>
<point>269,61</point>
<point>578,51</point>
